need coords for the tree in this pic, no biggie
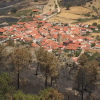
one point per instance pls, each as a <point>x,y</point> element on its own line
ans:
<point>50,94</point>
<point>3,57</point>
<point>82,59</point>
<point>86,77</point>
<point>1,54</point>
<point>48,65</point>
<point>5,89</point>
<point>13,10</point>
<point>39,56</point>
<point>98,26</point>
<point>68,5</point>
<point>93,45</point>
<point>54,69</point>
<point>94,24</point>
<point>20,58</point>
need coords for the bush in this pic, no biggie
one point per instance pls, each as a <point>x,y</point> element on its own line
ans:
<point>87,14</point>
<point>56,6</point>
<point>90,2</point>
<point>89,5</point>
<point>13,10</point>
<point>82,20</point>
<point>68,5</point>
<point>98,26</point>
<point>95,17</point>
<point>94,24</point>
<point>93,45</point>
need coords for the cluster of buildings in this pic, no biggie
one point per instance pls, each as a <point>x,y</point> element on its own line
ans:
<point>51,36</point>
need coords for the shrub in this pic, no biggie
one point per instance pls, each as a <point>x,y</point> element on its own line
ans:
<point>98,26</point>
<point>90,2</point>
<point>87,14</point>
<point>94,24</point>
<point>13,10</point>
<point>68,5</point>
<point>89,5</point>
<point>95,17</point>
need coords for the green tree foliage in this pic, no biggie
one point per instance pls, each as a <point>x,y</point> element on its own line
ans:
<point>98,26</point>
<point>68,5</point>
<point>87,14</point>
<point>94,24</point>
<point>93,45</point>
<point>20,58</point>
<point>50,94</point>
<point>19,95</point>
<point>5,89</point>
<point>13,10</point>
<point>7,92</point>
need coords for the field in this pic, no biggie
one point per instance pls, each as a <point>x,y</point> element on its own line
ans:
<point>72,15</point>
<point>92,21</point>
<point>95,34</point>
<point>93,4</point>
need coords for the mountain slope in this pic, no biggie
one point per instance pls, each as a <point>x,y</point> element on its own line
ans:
<point>75,2</point>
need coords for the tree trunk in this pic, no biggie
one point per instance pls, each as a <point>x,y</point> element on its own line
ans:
<point>51,81</point>
<point>46,77</point>
<point>18,78</point>
<point>82,94</point>
<point>37,69</point>
<point>82,88</point>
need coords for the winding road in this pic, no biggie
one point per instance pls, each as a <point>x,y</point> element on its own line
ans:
<point>51,2</point>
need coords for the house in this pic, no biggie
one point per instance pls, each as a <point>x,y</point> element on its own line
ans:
<point>1,31</point>
<point>97,46</point>
<point>34,45</point>
<point>37,38</point>
<point>93,28</point>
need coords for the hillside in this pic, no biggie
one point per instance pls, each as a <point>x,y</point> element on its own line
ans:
<point>94,5</point>
<point>19,4</point>
<point>75,2</point>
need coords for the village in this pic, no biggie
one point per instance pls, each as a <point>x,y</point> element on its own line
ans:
<point>71,38</point>
<point>49,50</point>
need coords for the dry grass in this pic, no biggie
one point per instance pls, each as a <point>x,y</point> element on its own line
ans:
<point>95,34</point>
<point>70,16</point>
<point>60,19</point>
<point>92,21</point>
<point>95,3</point>
<point>93,51</point>
<point>77,10</point>
<point>49,7</point>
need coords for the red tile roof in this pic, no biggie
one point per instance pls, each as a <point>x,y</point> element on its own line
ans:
<point>34,45</point>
